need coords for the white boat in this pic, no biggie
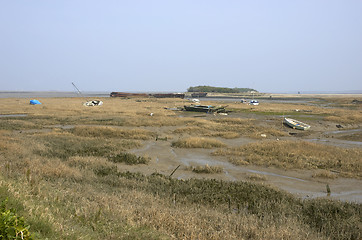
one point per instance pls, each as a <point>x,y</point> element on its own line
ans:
<point>296,124</point>
<point>93,103</point>
<point>254,102</point>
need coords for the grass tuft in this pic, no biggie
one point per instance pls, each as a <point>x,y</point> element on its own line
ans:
<point>324,174</point>
<point>129,158</point>
<point>198,142</point>
<point>205,169</point>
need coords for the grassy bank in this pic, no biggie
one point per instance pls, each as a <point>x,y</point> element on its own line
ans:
<point>123,205</point>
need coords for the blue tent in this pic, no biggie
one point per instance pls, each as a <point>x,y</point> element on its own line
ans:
<point>34,102</point>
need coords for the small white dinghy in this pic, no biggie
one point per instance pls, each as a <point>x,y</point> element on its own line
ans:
<point>93,103</point>
<point>296,124</point>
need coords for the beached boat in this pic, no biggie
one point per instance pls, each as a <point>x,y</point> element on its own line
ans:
<point>204,108</point>
<point>254,102</point>
<point>296,124</point>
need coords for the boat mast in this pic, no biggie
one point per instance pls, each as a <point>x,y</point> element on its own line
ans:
<point>79,91</point>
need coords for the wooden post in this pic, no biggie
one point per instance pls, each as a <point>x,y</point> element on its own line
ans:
<point>174,170</point>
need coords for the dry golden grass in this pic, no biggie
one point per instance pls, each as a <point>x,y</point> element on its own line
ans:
<point>324,174</point>
<point>205,169</point>
<point>198,142</point>
<point>342,114</point>
<point>83,212</point>
<point>256,177</point>
<point>109,132</point>
<point>345,117</point>
<point>54,168</point>
<point>68,188</point>
<point>296,154</point>
<point>228,128</point>
<point>190,130</point>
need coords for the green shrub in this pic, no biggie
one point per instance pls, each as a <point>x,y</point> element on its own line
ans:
<point>12,226</point>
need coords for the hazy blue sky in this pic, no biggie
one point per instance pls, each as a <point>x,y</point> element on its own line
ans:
<point>170,45</point>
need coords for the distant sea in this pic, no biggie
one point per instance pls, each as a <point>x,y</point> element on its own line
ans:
<point>321,92</point>
<point>54,94</point>
<point>50,94</point>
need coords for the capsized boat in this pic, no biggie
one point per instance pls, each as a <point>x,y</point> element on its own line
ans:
<point>296,124</point>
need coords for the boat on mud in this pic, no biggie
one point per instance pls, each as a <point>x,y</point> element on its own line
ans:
<point>205,108</point>
<point>254,102</point>
<point>296,124</point>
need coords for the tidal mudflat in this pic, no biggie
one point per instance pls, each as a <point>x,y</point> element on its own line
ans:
<point>102,164</point>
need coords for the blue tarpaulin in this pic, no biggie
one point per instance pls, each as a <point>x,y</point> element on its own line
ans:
<point>33,102</point>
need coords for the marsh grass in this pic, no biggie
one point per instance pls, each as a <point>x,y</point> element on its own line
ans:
<point>17,124</point>
<point>353,137</point>
<point>198,142</point>
<point>296,154</point>
<point>345,117</point>
<point>64,145</point>
<point>129,158</point>
<point>157,206</point>
<point>256,177</point>
<point>109,132</point>
<point>348,114</point>
<point>66,187</point>
<point>234,127</point>
<point>228,128</point>
<point>205,169</point>
<point>324,174</point>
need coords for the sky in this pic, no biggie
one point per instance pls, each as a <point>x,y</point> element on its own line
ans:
<point>170,45</point>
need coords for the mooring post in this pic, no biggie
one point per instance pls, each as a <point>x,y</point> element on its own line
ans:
<point>174,170</point>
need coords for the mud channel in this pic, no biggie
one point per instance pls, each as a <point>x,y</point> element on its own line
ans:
<point>301,183</point>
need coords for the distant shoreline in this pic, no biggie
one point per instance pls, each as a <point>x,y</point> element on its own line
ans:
<point>49,94</point>
<point>55,94</point>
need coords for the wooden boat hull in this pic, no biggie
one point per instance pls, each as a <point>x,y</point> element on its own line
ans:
<point>198,108</point>
<point>296,124</point>
<point>204,108</point>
